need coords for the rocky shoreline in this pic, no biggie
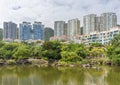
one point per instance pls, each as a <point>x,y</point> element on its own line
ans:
<point>54,63</point>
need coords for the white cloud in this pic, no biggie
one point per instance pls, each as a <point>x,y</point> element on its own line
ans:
<point>47,11</point>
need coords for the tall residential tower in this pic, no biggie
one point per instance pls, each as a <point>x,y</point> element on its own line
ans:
<point>107,21</point>
<point>9,31</point>
<point>73,28</point>
<point>91,23</point>
<point>60,28</point>
<point>38,31</point>
<point>25,31</point>
<point>48,32</point>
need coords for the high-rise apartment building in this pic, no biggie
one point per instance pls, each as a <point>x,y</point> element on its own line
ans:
<point>25,31</point>
<point>73,27</point>
<point>65,29</point>
<point>81,30</point>
<point>9,31</point>
<point>48,32</point>
<point>91,23</point>
<point>60,28</point>
<point>38,31</point>
<point>107,21</point>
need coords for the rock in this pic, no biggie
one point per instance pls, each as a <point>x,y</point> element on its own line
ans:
<point>11,62</point>
<point>39,62</point>
<point>53,62</point>
<point>86,65</point>
<point>109,63</point>
<point>2,62</point>
<point>23,61</point>
<point>72,65</point>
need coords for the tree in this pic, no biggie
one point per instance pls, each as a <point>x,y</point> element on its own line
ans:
<point>36,51</point>
<point>82,51</point>
<point>113,50</point>
<point>7,50</point>
<point>51,50</point>
<point>97,52</point>
<point>73,52</point>
<point>70,57</point>
<point>22,52</point>
<point>92,45</point>
<point>116,41</point>
<point>2,44</point>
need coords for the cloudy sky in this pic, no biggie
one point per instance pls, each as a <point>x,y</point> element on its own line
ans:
<point>48,11</point>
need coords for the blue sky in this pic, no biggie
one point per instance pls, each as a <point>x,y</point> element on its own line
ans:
<point>48,11</point>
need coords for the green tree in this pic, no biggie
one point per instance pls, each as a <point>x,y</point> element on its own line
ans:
<point>36,51</point>
<point>93,45</point>
<point>116,41</point>
<point>82,51</point>
<point>7,50</point>
<point>73,52</point>
<point>113,50</point>
<point>2,44</point>
<point>51,50</point>
<point>70,57</point>
<point>22,52</point>
<point>97,52</point>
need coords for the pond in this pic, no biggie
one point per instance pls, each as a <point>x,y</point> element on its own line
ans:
<point>32,75</point>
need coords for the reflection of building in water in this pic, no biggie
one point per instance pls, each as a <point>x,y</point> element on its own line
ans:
<point>96,77</point>
<point>9,80</point>
<point>15,80</point>
<point>68,81</point>
<point>56,77</point>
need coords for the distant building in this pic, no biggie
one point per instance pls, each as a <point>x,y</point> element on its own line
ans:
<point>108,21</point>
<point>9,31</point>
<point>103,37</point>
<point>25,31</point>
<point>38,31</point>
<point>73,28</point>
<point>48,32</point>
<point>65,29</point>
<point>60,38</point>
<point>60,28</point>
<point>17,33</point>
<point>91,23</point>
<point>81,30</point>
<point>1,34</point>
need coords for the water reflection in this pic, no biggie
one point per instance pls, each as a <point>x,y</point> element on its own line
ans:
<point>96,77</point>
<point>29,75</point>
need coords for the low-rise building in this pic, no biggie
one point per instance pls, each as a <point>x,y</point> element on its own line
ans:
<point>103,37</point>
<point>60,38</point>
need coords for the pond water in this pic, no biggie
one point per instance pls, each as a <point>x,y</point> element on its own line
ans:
<point>31,75</point>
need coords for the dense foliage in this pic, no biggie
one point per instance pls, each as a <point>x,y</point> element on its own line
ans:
<point>48,50</point>
<point>51,50</point>
<point>113,50</point>
<point>62,52</point>
<point>96,50</point>
<point>73,52</point>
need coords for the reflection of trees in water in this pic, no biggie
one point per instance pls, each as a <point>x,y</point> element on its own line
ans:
<point>28,75</point>
<point>21,75</point>
<point>113,77</point>
<point>25,75</point>
<point>95,77</point>
<point>61,76</point>
<point>71,76</point>
<point>49,75</point>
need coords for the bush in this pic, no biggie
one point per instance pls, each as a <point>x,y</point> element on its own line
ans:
<point>11,61</point>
